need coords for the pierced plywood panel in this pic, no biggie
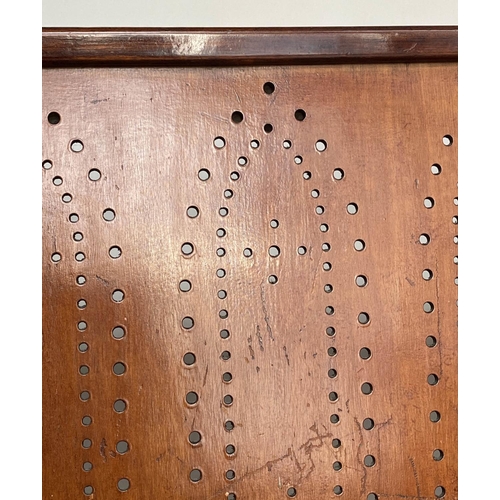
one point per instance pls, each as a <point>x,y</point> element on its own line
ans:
<point>250,282</point>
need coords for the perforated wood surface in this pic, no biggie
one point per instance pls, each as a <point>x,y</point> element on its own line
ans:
<point>278,284</point>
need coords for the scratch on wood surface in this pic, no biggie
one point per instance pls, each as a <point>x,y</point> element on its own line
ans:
<point>266,314</point>
<point>415,475</point>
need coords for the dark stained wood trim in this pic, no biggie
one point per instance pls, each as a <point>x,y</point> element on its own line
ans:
<point>246,46</point>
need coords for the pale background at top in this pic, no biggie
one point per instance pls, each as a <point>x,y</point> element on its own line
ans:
<point>247,13</point>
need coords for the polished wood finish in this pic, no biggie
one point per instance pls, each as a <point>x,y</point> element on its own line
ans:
<point>149,132</point>
<point>244,46</point>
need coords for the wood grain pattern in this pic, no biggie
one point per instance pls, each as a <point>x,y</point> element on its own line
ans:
<point>149,131</point>
<point>243,46</point>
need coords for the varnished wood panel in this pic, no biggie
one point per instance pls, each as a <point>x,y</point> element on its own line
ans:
<point>149,131</point>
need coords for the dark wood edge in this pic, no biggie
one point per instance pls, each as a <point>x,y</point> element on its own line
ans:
<point>63,47</point>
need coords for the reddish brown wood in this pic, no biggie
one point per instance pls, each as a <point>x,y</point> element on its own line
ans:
<point>149,131</point>
<point>244,46</point>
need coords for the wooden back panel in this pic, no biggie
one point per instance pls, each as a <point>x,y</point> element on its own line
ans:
<point>352,164</point>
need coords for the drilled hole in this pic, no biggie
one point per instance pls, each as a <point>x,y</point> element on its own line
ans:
<point>76,146</point>
<point>224,334</point>
<point>333,397</point>
<point>187,248</point>
<point>274,223</point>
<point>66,198</point>
<point>329,310</point>
<point>436,169</point>
<point>438,455</point>
<point>315,193</point>
<point>338,174</point>
<point>77,236</point>
<point>223,314</point>
<point>222,294</point>
<point>302,250</point>
<point>192,212</point>
<point>247,252</point>
<point>298,160</point>
<point>254,144</point>
<point>337,466</point>
<point>287,144</point>
<point>94,174</point>
<point>336,443</point>
<point>83,347</point>
<point>291,492</point>
<point>363,318</point>
<point>119,406</point>
<point>338,490</point>
<point>424,239</point>
<point>118,332</point>
<point>187,322</point>
<point>330,331</point>
<point>268,128</point>
<point>432,379</point>
<point>428,202</point>
<point>272,279</point>
<point>231,496</point>
<point>87,466</point>
<point>203,174</point>
<point>79,256</point>
<point>122,447</point>
<point>74,218</point>
<point>359,245</point>
<point>434,416</point>
<point>430,341</point>
<point>81,304</point>
<point>220,273</point>
<point>123,484</point>
<point>223,211</point>
<point>115,252</point>
<point>86,420</point>
<point>53,117</point>
<point>320,210</point>
<point>427,274</point>
<point>447,140</point>
<point>368,424</point>
<point>227,377</point>
<point>88,490</point>
<point>332,351</point>
<point>237,117</point>
<point>352,208</point>
<point>46,164</point>
<point>228,425</point>
<point>230,449</point>
<point>82,326</point>
<point>225,355</point>
<point>234,176</point>
<point>81,280</point>
<point>85,395</point>
<point>439,492</point>
<point>86,443</point>
<point>320,145</point>
<point>372,496</point>
<point>191,398</point>
<point>328,288</point>
<point>219,142</point>
<point>332,373</point>
<point>194,437</point>
<point>369,460</point>
<point>454,219</point>
<point>56,257</point>
<point>324,228</point>
<point>83,370</point>
<point>274,251</point>
<point>455,260</point>
<point>306,175</point>
<point>366,388</point>
<point>268,88</point>
<point>195,475</point>
<point>300,115</point>
<point>57,181</point>
<point>220,252</point>
<point>228,193</point>
<point>108,215</point>
<point>334,419</point>
<point>118,296</point>
<point>228,400</point>
<point>361,280</point>
<point>230,474</point>
<point>428,307</point>
<point>365,353</point>
<point>119,368</point>
<point>242,161</point>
